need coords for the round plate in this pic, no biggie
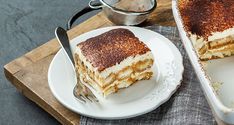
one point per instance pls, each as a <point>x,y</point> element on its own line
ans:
<point>140,98</point>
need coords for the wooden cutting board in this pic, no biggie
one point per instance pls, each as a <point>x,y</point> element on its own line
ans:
<point>28,73</point>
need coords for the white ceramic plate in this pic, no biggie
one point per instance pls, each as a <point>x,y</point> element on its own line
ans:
<point>139,98</point>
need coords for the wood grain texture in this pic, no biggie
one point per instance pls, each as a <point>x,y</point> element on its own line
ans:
<point>28,73</point>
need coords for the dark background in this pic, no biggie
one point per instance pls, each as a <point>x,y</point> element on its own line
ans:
<point>25,25</point>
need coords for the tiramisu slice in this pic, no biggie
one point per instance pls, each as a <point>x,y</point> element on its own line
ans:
<point>113,60</point>
<point>210,25</point>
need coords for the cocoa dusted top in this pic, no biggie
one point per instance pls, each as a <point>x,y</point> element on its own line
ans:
<point>203,17</point>
<point>111,48</point>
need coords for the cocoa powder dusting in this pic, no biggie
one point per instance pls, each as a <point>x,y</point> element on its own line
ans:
<point>203,17</point>
<point>111,48</point>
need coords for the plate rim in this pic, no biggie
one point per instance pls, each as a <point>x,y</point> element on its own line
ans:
<point>168,96</point>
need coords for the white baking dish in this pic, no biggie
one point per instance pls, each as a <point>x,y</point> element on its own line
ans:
<point>216,76</point>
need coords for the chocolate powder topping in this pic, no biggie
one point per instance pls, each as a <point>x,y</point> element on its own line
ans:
<point>111,48</point>
<point>203,17</point>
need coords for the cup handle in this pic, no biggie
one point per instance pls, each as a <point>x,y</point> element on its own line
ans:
<point>92,6</point>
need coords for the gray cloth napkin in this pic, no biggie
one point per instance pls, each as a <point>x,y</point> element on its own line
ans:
<point>187,106</point>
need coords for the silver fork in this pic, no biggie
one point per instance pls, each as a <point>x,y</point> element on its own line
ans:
<point>80,91</point>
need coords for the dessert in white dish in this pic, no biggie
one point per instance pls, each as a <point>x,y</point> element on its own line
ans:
<point>210,26</point>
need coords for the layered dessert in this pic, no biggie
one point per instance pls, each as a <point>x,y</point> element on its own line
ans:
<point>210,26</point>
<point>113,60</point>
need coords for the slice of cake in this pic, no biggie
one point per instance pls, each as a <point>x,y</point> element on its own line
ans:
<point>210,26</point>
<point>113,60</point>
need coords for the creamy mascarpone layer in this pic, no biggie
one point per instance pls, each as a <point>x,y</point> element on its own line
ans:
<point>220,35</point>
<point>116,68</point>
<point>199,42</point>
<point>111,88</point>
<point>218,44</point>
<point>220,52</point>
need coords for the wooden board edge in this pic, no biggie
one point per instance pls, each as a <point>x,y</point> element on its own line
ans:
<point>25,60</point>
<point>32,96</point>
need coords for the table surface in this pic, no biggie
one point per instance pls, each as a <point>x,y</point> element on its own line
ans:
<point>25,25</point>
